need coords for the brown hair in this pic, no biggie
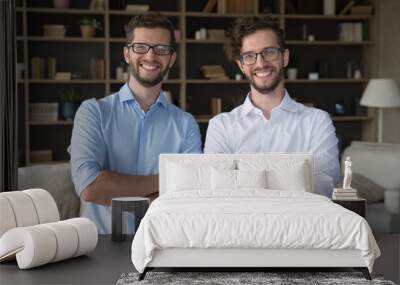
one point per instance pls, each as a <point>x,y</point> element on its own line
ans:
<point>245,26</point>
<point>149,20</point>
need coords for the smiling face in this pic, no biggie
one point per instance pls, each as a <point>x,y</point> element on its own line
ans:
<point>149,69</point>
<point>264,76</point>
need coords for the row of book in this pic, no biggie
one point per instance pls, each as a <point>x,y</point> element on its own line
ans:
<point>351,32</point>
<point>43,67</point>
<point>344,194</point>
<point>46,68</point>
<point>97,68</point>
<point>229,6</point>
<point>214,72</point>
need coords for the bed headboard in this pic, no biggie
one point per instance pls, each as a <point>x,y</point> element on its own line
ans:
<point>284,165</point>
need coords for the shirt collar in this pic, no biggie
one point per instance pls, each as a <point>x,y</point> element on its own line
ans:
<point>287,104</point>
<point>126,94</point>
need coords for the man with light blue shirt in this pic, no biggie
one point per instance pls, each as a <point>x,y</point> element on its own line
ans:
<point>116,140</point>
<point>269,120</point>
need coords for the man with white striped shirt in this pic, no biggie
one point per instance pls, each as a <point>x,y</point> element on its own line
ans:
<point>269,120</point>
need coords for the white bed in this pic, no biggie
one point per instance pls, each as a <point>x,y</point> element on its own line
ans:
<point>247,210</point>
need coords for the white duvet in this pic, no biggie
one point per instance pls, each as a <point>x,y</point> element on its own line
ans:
<point>250,219</point>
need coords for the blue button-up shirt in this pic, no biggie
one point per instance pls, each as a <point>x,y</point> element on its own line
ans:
<point>114,133</point>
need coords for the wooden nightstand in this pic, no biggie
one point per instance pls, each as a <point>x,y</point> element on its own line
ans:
<point>358,206</point>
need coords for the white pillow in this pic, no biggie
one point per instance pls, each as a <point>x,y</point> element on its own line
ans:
<point>282,174</point>
<point>251,178</point>
<point>227,179</point>
<point>223,179</point>
<point>193,175</point>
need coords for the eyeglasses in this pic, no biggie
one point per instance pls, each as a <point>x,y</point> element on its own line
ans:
<point>143,48</point>
<point>268,54</point>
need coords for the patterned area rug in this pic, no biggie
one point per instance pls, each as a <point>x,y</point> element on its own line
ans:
<point>242,278</point>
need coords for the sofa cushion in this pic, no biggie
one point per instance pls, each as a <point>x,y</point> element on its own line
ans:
<point>56,179</point>
<point>392,201</point>
<point>367,189</point>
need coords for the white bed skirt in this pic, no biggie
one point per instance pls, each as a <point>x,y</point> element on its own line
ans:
<point>193,257</point>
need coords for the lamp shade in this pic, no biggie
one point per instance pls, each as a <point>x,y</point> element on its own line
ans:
<point>381,93</point>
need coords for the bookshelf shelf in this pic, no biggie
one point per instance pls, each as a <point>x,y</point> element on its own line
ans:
<point>65,11</point>
<point>328,18</point>
<point>194,41</point>
<point>131,13</point>
<point>219,15</point>
<point>326,81</point>
<point>169,81</point>
<point>72,81</point>
<point>328,43</point>
<point>65,123</point>
<point>66,39</point>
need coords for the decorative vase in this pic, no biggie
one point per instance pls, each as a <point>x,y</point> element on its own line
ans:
<point>61,4</point>
<point>88,31</point>
<point>329,7</point>
<point>68,110</point>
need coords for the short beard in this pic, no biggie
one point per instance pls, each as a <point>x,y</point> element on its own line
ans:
<point>147,82</point>
<point>272,86</point>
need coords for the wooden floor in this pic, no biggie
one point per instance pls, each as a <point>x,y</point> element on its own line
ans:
<point>110,260</point>
<point>389,262</point>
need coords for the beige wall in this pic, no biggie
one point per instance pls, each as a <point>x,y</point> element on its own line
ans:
<point>389,60</point>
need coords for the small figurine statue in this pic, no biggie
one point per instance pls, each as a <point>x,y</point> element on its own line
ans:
<point>347,173</point>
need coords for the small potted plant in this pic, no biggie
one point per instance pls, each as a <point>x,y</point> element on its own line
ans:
<point>70,100</point>
<point>89,26</point>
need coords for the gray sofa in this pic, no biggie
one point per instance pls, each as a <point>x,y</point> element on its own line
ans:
<point>378,163</point>
<point>56,179</point>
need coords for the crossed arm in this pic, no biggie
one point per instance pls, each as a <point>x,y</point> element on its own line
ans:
<point>109,184</point>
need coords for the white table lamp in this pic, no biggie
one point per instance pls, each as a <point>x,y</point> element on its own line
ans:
<point>381,93</point>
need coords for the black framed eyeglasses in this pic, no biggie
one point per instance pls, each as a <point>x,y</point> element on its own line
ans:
<point>267,54</point>
<point>143,48</point>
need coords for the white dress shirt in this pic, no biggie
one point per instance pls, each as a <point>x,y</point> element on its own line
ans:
<point>292,127</point>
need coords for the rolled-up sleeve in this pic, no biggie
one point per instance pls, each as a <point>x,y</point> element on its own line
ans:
<point>192,141</point>
<point>87,148</point>
<point>324,146</point>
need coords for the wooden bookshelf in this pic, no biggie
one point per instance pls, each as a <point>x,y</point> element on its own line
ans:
<point>190,91</point>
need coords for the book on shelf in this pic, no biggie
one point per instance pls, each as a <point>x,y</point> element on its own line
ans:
<point>51,67</point>
<point>42,68</point>
<point>361,10</point>
<point>216,34</point>
<point>339,197</point>
<point>216,106</point>
<point>347,8</point>
<point>209,6</point>
<point>137,8</point>
<point>344,194</point>
<point>100,67</point>
<point>351,32</point>
<point>221,6</point>
<point>63,76</point>
<point>215,72</point>
<point>97,68</point>
<point>345,191</point>
<point>239,7</point>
